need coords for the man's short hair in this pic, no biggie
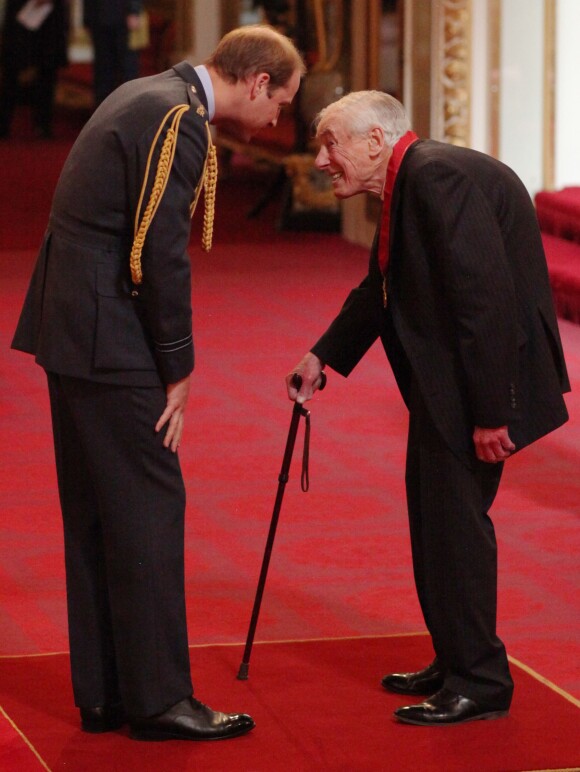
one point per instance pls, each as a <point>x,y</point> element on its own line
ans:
<point>256,48</point>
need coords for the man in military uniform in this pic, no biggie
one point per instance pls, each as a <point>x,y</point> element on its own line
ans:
<point>108,316</point>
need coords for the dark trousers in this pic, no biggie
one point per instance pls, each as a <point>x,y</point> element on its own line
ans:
<point>455,560</point>
<point>123,502</point>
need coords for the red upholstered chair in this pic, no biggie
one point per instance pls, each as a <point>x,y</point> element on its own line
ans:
<point>563,258</point>
<point>559,212</point>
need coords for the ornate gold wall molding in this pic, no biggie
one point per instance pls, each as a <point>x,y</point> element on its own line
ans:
<point>451,74</point>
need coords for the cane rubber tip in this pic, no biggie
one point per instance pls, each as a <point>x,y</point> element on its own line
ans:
<point>243,671</point>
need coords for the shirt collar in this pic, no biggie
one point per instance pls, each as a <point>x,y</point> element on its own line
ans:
<point>203,75</point>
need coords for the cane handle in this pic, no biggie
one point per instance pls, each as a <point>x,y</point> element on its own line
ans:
<point>297,381</point>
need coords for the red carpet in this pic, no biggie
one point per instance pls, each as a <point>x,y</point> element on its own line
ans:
<point>341,563</point>
<point>318,705</point>
<point>26,190</point>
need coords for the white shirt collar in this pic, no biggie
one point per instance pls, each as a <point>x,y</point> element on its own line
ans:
<point>203,75</point>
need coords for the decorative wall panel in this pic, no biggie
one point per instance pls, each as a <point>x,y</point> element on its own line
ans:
<point>451,73</point>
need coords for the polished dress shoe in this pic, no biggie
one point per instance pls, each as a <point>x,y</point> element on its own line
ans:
<point>191,720</point>
<point>104,718</point>
<point>444,708</point>
<point>426,681</point>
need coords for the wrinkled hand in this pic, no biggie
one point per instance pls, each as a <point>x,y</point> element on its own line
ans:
<point>177,394</point>
<point>309,369</point>
<point>492,445</point>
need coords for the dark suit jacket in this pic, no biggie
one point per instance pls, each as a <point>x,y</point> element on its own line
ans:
<point>82,316</point>
<point>469,311</point>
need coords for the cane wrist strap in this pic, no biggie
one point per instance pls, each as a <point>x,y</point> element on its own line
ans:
<point>305,480</point>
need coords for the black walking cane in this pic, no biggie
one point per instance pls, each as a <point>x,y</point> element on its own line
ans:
<point>297,412</point>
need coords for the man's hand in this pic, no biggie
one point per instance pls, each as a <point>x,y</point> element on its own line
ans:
<point>492,445</point>
<point>309,369</point>
<point>177,394</point>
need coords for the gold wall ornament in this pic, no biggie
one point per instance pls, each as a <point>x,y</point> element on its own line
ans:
<point>311,189</point>
<point>451,79</point>
<point>329,27</point>
<point>324,82</point>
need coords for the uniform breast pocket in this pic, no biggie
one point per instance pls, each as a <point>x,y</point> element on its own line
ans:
<point>121,340</point>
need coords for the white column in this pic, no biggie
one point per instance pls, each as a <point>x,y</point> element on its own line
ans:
<point>567,108</point>
<point>521,90</point>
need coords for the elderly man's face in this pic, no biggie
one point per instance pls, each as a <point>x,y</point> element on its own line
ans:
<point>345,158</point>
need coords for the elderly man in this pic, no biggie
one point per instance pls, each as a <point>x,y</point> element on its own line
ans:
<point>457,291</point>
<point>108,316</point>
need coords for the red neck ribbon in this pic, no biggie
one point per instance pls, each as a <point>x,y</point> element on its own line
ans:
<point>399,150</point>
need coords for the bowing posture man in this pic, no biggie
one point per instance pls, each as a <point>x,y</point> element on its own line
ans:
<point>457,291</point>
<point>108,316</point>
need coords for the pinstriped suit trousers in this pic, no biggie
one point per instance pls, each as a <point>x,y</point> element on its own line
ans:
<point>123,504</point>
<point>455,560</point>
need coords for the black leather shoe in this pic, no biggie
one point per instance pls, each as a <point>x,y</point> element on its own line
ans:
<point>426,681</point>
<point>444,708</point>
<point>105,718</point>
<point>191,720</point>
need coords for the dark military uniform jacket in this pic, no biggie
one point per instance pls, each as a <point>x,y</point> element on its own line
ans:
<point>83,316</point>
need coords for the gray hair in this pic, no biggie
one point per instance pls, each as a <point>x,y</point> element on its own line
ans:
<point>361,110</point>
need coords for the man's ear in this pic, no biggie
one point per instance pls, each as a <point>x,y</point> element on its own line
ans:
<point>376,140</point>
<point>260,83</point>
